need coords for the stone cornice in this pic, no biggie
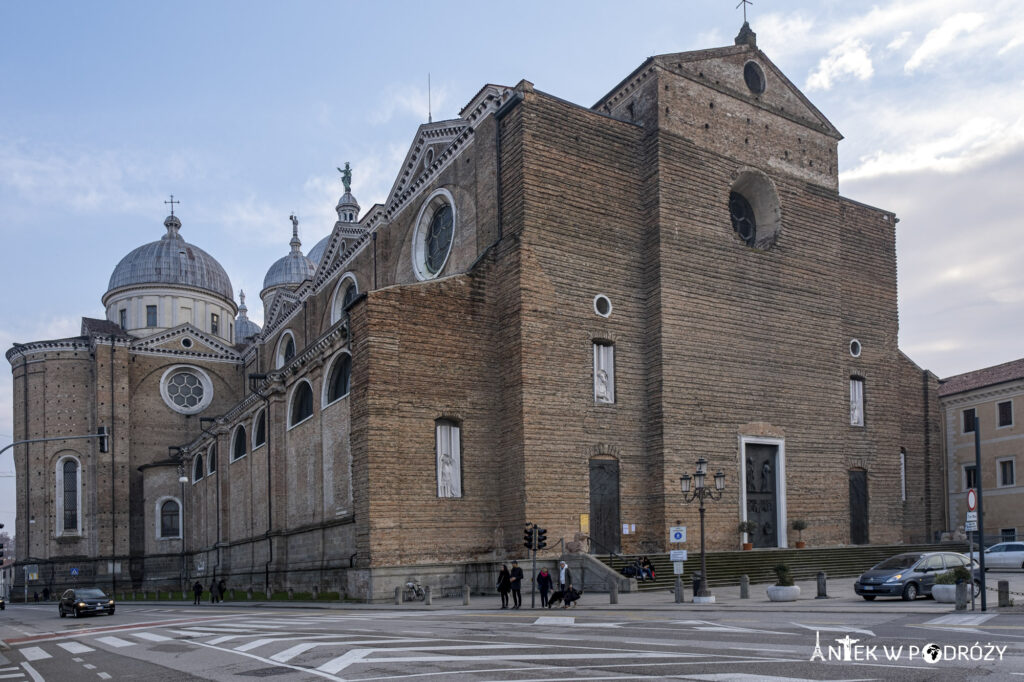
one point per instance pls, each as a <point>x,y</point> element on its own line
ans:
<point>984,394</point>
<point>80,343</point>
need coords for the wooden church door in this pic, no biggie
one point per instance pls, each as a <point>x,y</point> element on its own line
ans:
<point>859,507</point>
<point>604,505</point>
<point>762,493</point>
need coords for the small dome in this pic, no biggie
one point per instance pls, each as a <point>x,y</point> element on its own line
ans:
<point>317,252</point>
<point>244,327</point>
<point>171,260</point>
<point>293,268</point>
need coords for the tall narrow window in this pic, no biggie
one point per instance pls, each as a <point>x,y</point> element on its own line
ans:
<point>214,323</point>
<point>260,430</point>
<point>170,519</point>
<point>449,458</point>
<point>970,477</point>
<point>903,475</point>
<point>969,420</point>
<point>1007,475</point>
<point>339,378</point>
<point>302,403</point>
<point>1006,413</point>
<point>604,372</point>
<point>122,318</point>
<point>211,459</point>
<point>150,315</point>
<point>239,447</point>
<point>856,401</point>
<point>70,495</point>
<point>197,469</point>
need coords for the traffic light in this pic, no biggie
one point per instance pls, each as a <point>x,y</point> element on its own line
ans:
<point>104,439</point>
<point>542,538</point>
<point>528,536</point>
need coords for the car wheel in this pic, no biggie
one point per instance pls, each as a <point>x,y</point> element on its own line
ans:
<point>977,589</point>
<point>60,610</point>
<point>78,612</point>
<point>910,592</point>
<point>111,612</point>
<point>868,597</point>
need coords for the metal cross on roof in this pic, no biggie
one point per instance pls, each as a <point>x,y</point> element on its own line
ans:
<point>172,202</point>
<point>744,3</point>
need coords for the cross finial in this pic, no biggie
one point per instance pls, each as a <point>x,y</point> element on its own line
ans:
<point>172,202</point>
<point>744,4</point>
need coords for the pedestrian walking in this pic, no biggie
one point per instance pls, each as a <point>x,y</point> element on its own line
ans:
<point>214,597</point>
<point>222,588</point>
<point>46,594</point>
<point>564,581</point>
<point>516,576</point>
<point>544,585</point>
<point>197,592</point>
<point>504,585</point>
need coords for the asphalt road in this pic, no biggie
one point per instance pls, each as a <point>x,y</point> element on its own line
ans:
<point>650,638</point>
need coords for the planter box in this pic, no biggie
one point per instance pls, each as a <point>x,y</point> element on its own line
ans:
<point>944,594</point>
<point>783,592</point>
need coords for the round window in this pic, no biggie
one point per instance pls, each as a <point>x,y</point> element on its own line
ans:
<point>855,348</point>
<point>742,215</point>
<point>435,232</point>
<point>602,305</point>
<point>186,343</point>
<point>187,390</point>
<point>754,77</point>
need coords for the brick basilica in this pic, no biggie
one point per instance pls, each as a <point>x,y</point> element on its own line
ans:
<point>554,313</point>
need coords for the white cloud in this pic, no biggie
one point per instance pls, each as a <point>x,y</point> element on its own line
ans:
<point>413,101</point>
<point>851,58</point>
<point>944,38</point>
<point>899,41</point>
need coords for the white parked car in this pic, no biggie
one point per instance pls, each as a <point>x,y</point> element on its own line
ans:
<point>1003,555</point>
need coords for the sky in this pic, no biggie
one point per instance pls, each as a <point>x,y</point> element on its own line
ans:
<point>243,111</point>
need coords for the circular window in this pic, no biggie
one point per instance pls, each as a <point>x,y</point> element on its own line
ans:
<point>743,220</point>
<point>754,209</point>
<point>754,77</point>
<point>435,232</point>
<point>186,343</point>
<point>187,390</point>
<point>855,348</point>
<point>602,305</point>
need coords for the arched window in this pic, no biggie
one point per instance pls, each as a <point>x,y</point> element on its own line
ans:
<point>259,429</point>
<point>238,447</point>
<point>302,403</point>
<point>197,469</point>
<point>169,519</point>
<point>339,378</point>
<point>69,496</point>
<point>285,349</point>
<point>345,292</point>
<point>448,451</point>
<point>211,459</point>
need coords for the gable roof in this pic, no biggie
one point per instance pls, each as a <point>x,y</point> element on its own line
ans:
<point>981,378</point>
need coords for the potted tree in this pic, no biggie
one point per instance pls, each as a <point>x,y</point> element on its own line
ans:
<point>747,528</point>
<point>944,588</point>
<point>783,589</point>
<point>799,525</point>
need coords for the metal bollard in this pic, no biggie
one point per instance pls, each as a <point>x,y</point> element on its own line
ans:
<point>679,589</point>
<point>1004,593</point>
<point>961,596</point>
<point>822,586</point>
<point>465,595</point>
<point>744,586</point>
<point>613,592</point>
<point>428,600</point>
<point>398,595</point>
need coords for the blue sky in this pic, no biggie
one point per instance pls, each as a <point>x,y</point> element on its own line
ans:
<point>243,110</point>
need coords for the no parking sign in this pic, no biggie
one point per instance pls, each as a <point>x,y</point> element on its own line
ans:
<point>677,534</point>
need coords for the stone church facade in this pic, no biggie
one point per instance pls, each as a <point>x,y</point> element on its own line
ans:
<point>555,312</point>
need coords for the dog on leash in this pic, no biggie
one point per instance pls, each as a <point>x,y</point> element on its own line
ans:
<point>567,598</point>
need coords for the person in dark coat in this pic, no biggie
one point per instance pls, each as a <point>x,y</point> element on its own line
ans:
<point>504,585</point>
<point>517,585</point>
<point>197,591</point>
<point>214,596</point>
<point>222,589</point>
<point>46,594</point>
<point>544,583</point>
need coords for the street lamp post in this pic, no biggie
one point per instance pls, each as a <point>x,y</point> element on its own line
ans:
<point>701,492</point>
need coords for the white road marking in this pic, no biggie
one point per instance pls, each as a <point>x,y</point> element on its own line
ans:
<point>11,677</point>
<point>288,654</point>
<point>36,677</point>
<point>743,677</point>
<point>34,653</point>
<point>151,636</point>
<point>116,642</point>
<point>225,638</point>
<point>256,643</point>
<point>75,647</point>
<point>88,666</point>
<point>826,628</point>
<point>555,620</point>
<point>103,676</point>
<point>961,619</point>
<point>356,655</point>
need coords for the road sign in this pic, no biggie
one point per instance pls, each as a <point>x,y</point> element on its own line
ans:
<point>677,555</point>
<point>972,516</point>
<point>972,499</point>
<point>677,568</point>
<point>74,571</point>
<point>31,571</point>
<point>971,526</point>
<point>677,534</point>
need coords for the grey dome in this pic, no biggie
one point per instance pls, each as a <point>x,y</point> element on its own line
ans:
<point>317,252</point>
<point>171,260</point>
<point>293,268</point>
<point>244,327</point>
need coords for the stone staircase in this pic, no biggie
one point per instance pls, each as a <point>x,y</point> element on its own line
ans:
<point>725,568</point>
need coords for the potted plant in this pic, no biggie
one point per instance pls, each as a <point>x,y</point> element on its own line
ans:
<point>747,528</point>
<point>783,589</point>
<point>944,588</point>
<point>799,525</point>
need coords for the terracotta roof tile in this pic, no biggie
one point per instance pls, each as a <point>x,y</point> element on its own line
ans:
<point>979,378</point>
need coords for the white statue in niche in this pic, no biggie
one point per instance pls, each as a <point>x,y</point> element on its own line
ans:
<point>602,386</point>
<point>446,488</point>
<point>449,471</point>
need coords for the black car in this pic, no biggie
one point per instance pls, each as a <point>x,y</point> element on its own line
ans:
<point>912,574</point>
<point>85,600</point>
